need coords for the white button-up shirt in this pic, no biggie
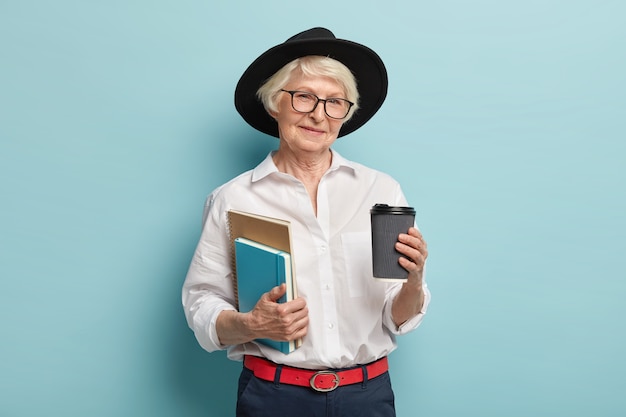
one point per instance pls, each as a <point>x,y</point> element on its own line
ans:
<point>350,319</point>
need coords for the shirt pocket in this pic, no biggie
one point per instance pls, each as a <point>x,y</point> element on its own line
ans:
<point>357,250</point>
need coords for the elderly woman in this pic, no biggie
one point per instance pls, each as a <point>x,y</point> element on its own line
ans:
<point>307,92</point>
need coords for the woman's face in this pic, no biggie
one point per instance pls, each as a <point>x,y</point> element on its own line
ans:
<point>308,132</point>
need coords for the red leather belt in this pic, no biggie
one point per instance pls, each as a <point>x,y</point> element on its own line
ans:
<point>323,381</point>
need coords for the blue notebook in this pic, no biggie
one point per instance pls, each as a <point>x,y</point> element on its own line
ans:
<point>259,269</point>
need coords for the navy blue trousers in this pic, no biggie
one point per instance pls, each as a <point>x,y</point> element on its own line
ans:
<point>259,398</point>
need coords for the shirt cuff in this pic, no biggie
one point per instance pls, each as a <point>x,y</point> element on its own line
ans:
<point>205,329</point>
<point>412,323</point>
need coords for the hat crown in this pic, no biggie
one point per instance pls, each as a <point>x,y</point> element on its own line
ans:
<point>313,33</point>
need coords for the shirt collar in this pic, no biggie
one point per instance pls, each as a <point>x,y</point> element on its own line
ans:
<point>267,166</point>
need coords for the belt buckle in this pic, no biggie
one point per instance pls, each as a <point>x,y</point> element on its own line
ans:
<point>321,373</point>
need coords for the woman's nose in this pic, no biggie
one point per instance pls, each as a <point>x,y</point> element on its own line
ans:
<point>318,113</point>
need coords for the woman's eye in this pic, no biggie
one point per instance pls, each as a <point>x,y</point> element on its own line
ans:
<point>337,102</point>
<point>305,97</point>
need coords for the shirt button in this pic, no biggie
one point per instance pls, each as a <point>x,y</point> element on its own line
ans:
<point>331,326</point>
<point>323,248</point>
<point>327,287</point>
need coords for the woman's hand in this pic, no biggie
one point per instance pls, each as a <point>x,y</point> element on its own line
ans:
<point>278,321</point>
<point>413,247</point>
<point>410,300</point>
<point>268,320</point>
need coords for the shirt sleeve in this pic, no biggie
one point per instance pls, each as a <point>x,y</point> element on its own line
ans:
<point>208,289</point>
<point>409,325</point>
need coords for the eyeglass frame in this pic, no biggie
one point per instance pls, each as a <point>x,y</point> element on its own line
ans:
<point>292,92</point>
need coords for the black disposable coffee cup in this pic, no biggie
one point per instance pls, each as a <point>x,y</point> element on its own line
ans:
<point>387,223</point>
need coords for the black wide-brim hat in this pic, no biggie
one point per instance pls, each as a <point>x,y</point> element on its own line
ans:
<point>365,64</point>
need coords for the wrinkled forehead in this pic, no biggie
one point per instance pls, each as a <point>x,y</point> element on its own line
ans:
<point>315,84</point>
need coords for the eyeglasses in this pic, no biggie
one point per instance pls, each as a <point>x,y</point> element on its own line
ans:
<point>305,102</point>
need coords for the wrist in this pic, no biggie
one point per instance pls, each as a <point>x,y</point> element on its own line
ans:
<point>233,328</point>
<point>246,325</point>
<point>414,283</point>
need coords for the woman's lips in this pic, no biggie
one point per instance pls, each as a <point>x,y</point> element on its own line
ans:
<point>312,129</point>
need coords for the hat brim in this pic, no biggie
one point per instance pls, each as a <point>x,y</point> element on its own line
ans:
<point>365,64</point>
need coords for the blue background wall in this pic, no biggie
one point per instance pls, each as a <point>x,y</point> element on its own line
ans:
<point>505,123</point>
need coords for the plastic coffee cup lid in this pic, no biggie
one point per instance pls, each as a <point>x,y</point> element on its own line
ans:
<point>387,209</point>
